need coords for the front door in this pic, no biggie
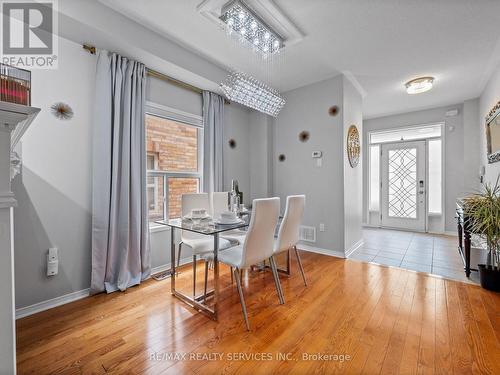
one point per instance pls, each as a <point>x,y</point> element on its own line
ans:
<point>403,185</point>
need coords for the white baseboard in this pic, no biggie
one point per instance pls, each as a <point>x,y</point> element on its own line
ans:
<point>319,250</point>
<point>354,247</point>
<point>160,269</point>
<point>51,303</point>
<point>23,312</point>
<point>445,233</point>
<point>367,225</point>
<point>166,267</point>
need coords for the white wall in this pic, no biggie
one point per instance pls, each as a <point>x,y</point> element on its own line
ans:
<point>488,99</point>
<point>454,159</point>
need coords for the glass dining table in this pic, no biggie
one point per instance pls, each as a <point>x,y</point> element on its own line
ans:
<point>207,228</point>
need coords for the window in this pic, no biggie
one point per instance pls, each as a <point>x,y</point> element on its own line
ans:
<point>173,161</point>
<point>409,134</point>
<point>374,178</point>
<point>435,176</point>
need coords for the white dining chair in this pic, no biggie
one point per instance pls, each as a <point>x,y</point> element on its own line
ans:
<point>257,247</point>
<point>288,235</point>
<point>198,243</point>
<point>220,203</point>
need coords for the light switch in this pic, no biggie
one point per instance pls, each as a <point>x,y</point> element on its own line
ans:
<point>52,254</point>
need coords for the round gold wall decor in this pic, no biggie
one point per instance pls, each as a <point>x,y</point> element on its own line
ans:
<point>353,146</point>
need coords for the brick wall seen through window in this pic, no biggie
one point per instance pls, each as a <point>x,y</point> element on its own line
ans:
<point>171,147</point>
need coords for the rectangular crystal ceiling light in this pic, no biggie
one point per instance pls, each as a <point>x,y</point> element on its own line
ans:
<point>246,90</point>
<point>252,31</point>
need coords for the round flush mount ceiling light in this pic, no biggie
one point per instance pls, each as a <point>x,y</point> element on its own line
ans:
<point>419,85</point>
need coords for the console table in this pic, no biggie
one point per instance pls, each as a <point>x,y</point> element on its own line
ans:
<point>464,235</point>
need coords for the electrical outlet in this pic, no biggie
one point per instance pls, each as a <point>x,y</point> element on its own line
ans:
<point>52,267</point>
<point>53,254</point>
<point>52,262</point>
<point>321,227</point>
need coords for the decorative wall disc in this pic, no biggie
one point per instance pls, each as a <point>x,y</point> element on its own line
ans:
<point>353,146</point>
<point>333,110</point>
<point>62,111</point>
<point>304,136</point>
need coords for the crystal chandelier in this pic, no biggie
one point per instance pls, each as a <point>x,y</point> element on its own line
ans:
<point>252,31</point>
<point>246,90</point>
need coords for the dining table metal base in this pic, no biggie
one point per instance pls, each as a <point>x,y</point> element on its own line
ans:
<point>195,301</point>
<point>199,302</point>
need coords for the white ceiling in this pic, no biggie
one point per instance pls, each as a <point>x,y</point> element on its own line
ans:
<point>381,43</point>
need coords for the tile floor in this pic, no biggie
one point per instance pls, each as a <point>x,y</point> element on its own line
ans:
<point>423,252</point>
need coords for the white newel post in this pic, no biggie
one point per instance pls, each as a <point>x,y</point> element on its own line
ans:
<point>14,120</point>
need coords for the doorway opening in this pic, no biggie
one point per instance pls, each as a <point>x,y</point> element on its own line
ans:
<point>405,178</point>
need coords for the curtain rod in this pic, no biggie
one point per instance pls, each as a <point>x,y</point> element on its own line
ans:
<point>156,74</point>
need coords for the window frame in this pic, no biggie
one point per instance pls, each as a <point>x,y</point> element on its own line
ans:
<point>154,185</point>
<point>370,193</point>
<point>442,137</point>
<point>185,118</point>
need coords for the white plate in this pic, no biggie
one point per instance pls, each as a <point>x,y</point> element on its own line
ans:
<point>220,222</point>
<point>189,217</point>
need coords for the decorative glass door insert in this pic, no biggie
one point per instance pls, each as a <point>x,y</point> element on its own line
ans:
<point>403,183</point>
<point>403,186</point>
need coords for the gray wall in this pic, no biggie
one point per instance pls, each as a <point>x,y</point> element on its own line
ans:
<point>236,160</point>
<point>54,189</point>
<point>260,153</point>
<point>471,146</point>
<point>488,99</point>
<point>353,177</point>
<point>307,109</point>
<point>454,160</point>
<point>164,93</point>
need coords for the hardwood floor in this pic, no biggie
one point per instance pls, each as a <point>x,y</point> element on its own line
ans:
<point>383,320</point>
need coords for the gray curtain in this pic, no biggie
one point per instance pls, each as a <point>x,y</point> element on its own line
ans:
<point>120,243</point>
<point>213,145</point>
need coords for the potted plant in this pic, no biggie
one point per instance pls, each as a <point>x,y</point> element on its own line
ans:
<point>483,211</point>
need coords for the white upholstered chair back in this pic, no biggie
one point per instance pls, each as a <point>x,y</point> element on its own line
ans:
<point>193,201</point>
<point>288,234</point>
<point>259,241</point>
<point>220,201</point>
